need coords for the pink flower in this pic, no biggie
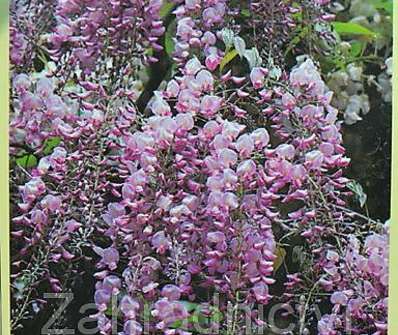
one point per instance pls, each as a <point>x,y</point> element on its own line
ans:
<point>33,189</point>
<point>185,121</point>
<point>160,242</point>
<point>52,203</point>
<point>216,237</point>
<point>246,169</point>
<point>212,15</point>
<point>339,298</point>
<point>21,83</point>
<point>205,80</point>
<point>132,327</point>
<point>260,137</point>
<point>210,105</point>
<point>129,307</point>
<point>192,67</point>
<point>44,87</point>
<point>260,291</point>
<point>232,130</point>
<point>185,28</point>
<point>307,75</point>
<point>244,145</point>
<point>220,142</point>
<point>212,61</point>
<point>164,202</point>
<point>141,141</point>
<point>112,284</point>
<point>286,151</point>
<point>227,157</point>
<point>173,88</point>
<point>257,76</point>
<point>159,106</point>
<point>171,292</point>
<point>110,257</point>
<point>210,129</point>
<point>314,159</point>
<point>208,37</point>
<point>38,217</point>
<point>102,298</point>
<point>231,200</point>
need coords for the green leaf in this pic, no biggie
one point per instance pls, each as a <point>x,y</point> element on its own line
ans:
<point>228,58</point>
<point>190,306</point>
<point>42,57</point>
<point>253,57</point>
<point>357,189</point>
<point>169,44</point>
<point>27,161</point>
<point>280,256</point>
<point>275,72</point>
<point>240,45</point>
<point>351,28</point>
<point>300,35</point>
<point>20,283</point>
<point>356,48</point>
<point>298,255</point>
<point>216,315</point>
<point>386,5</point>
<point>197,316</point>
<point>245,12</point>
<point>166,9</point>
<point>227,36</point>
<point>149,52</point>
<point>177,324</point>
<point>50,144</point>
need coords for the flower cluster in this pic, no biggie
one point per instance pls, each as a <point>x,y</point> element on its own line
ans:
<point>354,79</point>
<point>40,113</point>
<point>29,22</point>
<point>197,21</point>
<point>196,193</point>
<point>359,281</point>
<point>195,198</point>
<point>58,141</point>
<point>350,93</point>
<point>384,81</point>
<point>311,158</point>
<point>102,29</point>
<point>202,200</point>
<point>276,24</point>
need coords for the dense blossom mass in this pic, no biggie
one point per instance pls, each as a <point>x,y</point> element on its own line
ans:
<point>194,196</point>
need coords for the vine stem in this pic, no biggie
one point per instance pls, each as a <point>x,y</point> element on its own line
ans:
<point>307,303</point>
<point>355,213</point>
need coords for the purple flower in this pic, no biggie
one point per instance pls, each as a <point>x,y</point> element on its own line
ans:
<point>257,77</point>
<point>160,242</point>
<point>132,327</point>
<point>171,292</point>
<point>110,257</point>
<point>210,105</point>
<point>129,307</point>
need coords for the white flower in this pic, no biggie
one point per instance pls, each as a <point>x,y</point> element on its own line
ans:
<point>355,72</point>
<point>389,64</point>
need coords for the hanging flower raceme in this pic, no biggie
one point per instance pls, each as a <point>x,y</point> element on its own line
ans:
<point>56,209</point>
<point>358,282</point>
<point>193,199</point>
<point>106,30</point>
<point>307,171</point>
<point>40,113</point>
<point>196,30</point>
<point>29,22</point>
